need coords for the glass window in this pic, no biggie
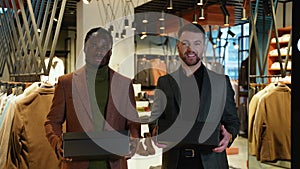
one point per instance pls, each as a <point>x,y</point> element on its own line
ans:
<point>230,50</point>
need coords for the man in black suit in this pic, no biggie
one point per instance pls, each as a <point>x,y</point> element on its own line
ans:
<point>190,97</point>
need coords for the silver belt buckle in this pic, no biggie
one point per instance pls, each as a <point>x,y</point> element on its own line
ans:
<point>192,151</point>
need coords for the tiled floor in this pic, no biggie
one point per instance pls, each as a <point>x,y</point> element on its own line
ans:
<point>240,160</point>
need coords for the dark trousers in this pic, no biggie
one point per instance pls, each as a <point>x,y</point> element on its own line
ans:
<point>189,158</point>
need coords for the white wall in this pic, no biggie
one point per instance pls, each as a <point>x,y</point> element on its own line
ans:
<point>105,13</point>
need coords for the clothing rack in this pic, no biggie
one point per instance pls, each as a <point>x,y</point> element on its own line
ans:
<point>274,78</point>
<point>9,87</point>
<point>264,76</point>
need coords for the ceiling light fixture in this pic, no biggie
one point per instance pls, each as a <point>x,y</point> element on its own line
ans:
<point>235,45</point>
<point>226,20</point>
<point>226,14</point>
<point>214,45</point>
<point>202,17</point>
<point>231,33</point>
<point>111,28</point>
<point>195,18</point>
<point>145,20</point>
<point>219,34</point>
<point>244,16</point>
<point>133,26</point>
<point>87,1</point>
<point>200,2</point>
<point>126,23</point>
<point>144,35</point>
<point>162,25</point>
<point>123,34</point>
<point>170,4</point>
<point>162,18</point>
<point>117,36</point>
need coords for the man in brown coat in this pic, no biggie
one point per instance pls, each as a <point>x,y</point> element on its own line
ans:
<point>77,93</point>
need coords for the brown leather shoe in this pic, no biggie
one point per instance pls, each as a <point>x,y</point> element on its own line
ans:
<point>141,150</point>
<point>149,144</point>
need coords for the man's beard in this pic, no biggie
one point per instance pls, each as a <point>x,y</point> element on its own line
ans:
<point>198,59</point>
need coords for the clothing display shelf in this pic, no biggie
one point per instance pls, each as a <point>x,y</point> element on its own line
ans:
<point>274,67</point>
<point>149,67</point>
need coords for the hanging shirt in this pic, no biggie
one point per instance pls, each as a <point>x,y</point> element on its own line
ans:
<point>57,69</point>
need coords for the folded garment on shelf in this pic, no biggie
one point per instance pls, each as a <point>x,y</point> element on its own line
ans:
<point>276,65</point>
<point>283,51</point>
<point>283,38</point>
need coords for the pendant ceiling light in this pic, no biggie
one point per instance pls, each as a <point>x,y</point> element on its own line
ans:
<point>226,14</point>
<point>117,36</point>
<point>226,20</point>
<point>202,17</point>
<point>219,34</point>
<point>200,2</point>
<point>126,23</point>
<point>231,33</point>
<point>162,18</point>
<point>87,1</point>
<point>170,4</point>
<point>133,26</point>
<point>195,18</point>
<point>244,16</point>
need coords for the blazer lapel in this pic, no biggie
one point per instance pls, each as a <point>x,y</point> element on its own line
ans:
<point>174,86</point>
<point>81,90</point>
<point>205,97</point>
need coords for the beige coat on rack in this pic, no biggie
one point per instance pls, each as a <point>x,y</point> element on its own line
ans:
<point>272,125</point>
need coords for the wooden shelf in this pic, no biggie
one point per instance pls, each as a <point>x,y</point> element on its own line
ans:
<point>277,55</point>
<point>278,69</point>
<point>274,58</point>
<point>281,43</point>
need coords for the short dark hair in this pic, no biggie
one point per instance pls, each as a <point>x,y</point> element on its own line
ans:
<point>192,28</point>
<point>101,30</point>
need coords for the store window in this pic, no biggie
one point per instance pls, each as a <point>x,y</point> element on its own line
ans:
<point>229,49</point>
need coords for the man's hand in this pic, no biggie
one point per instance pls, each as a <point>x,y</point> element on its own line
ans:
<point>60,152</point>
<point>227,137</point>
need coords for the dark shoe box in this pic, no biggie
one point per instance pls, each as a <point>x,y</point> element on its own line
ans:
<point>96,145</point>
<point>187,133</point>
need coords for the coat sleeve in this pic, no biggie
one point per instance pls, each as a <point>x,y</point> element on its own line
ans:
<point>56,117</point>
<point>230,118</point>
<point>14,159</point>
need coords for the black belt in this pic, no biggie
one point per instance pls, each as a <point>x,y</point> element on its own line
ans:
<point>189,158</point>
<point>189,152</point>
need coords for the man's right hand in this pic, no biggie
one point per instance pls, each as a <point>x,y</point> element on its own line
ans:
<point>60,152</point>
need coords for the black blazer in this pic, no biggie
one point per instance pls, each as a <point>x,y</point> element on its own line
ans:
<point>169,109</point>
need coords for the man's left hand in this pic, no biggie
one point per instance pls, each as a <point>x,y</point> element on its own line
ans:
<point>224,142</point>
